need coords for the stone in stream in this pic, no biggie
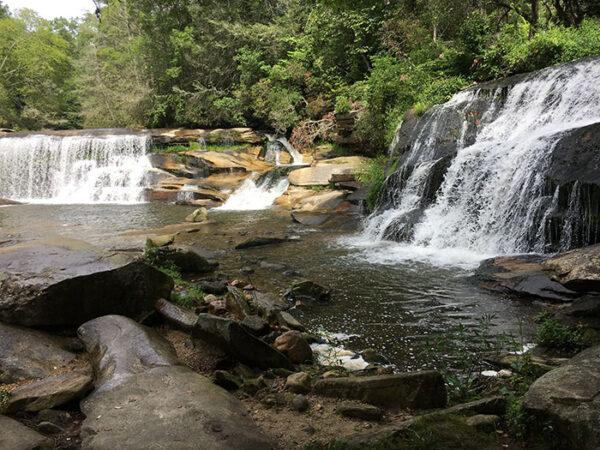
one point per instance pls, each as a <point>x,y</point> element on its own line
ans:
<point>259,242</point>
<point>290,321</point>
<point>294,346</point>
<point>145,399</point>
<point>234,340</point>
<point>27,354</point>
<point>199,215</point>
<point>186,260</point>
<point>415,390</point>
<point>49,393</point>
<point>307,291</point>
<point>16,436</point>
<point>577,269</point>
<point>160,241</point>
<point>65,282</point>
<point>568,399</point>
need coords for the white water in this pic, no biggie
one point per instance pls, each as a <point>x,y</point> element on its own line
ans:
<point>278,144</point>
<point>253,196</point>
<point>74,169</point>
<point>494,187</point>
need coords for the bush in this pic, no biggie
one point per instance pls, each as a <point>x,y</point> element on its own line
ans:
<point>373,174</point>
<point>551,334</point>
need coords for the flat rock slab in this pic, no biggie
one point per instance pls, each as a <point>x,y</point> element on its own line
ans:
<point>49,392</point>
<point>578,269</point>
<point>569,399</point>
<point>259,242</point>
<point>145,399</point>
<point>27,354</point>
<point>65,282</point>
<point>417,390</point>
<point>322,172</point>
<point>16,436</point>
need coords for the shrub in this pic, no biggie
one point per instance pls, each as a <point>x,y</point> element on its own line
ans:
<point>373,174</point>
<point>551,334</point>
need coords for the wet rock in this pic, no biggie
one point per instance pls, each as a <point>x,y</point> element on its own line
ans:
<point>362,412</point>
<point>300,403</point>
<point>289,321</point>
<point>267,305</point>
<point>233,339</point>
<point>294,346</point>
<point>259,242</point>
<point>28,354</point>
<point>299,383</point>
<point>16,436</point>
<point>226,380</point>
<point>160,241</point>
<point>417,390</point>
<point>577,269</point>
<point>307,291</point>
<point>272,267</point>
<point>199,215</point>
<point>568,398</point>
<point>63,282</point>
<point>484,422</point>
<point>246,270</point>
<point>181,318</point>
<point>186,260</point>
<point>255,325</point>
<point>145,399</point>
<point>236,303</point>
<point>49,392</point>
<point>370,355</point>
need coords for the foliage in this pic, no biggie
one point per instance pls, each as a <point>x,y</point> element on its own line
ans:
<point>373,174</point>
<point>4,397</point>
<point>551,334</point>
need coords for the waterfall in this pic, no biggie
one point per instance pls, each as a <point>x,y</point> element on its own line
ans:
<point>479,172</point>
<point>278,144</point>
<point>94,167</point>
<point>257,193</point>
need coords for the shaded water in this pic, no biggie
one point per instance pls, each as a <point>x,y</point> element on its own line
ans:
<point>392,308</point>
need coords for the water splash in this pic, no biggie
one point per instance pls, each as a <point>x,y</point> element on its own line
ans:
<point>78,169</point>
<point>257,193</point>
<point>278,144</point>
<point>487,193</point>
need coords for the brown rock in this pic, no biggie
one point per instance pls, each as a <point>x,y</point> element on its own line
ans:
<point>294,346</point>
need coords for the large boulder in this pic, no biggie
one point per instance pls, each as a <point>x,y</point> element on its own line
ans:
<point>185,259</point>
<point>233,339</point>
<point>568,399</point>
<point>328,171</point>
<point>49,392</point>
<point>58,281</point>
<point>28,354</point>
<point>415,390</point>
<point>577,270</point>
<point>16,436</point>
<point>145,399</point>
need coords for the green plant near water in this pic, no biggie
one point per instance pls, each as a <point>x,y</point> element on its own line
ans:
<point>4,397</point>
<point>373,174</point>
<point>553,335</point>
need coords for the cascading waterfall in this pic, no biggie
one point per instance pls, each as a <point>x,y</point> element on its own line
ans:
<point>278,144</point>
<point>74,169</point>
<point>257,193</point>
<point>476,173</point>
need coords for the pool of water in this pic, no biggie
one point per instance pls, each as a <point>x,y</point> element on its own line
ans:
<point>382,297</point>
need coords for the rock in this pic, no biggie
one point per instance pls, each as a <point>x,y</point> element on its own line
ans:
<point>199,215</point>
<point>217,307</point>
<point>49,393</point>
<point>289,321</point>
<point>145,399</point>
<point>294,346</point>
<point>233,339</point>
<point>236,303</point>
<point>63,282</point>
<point>252,386</point>
<point>484,422</point>
<point>186,260</point>
<point>226,380</point>
<point>568,399</point>
<point>307,291</point>
<point>216,136</point>
<point>213,287</point>
<point>487,406</point>
<point>15,436</point>
<point>246,270</point>
<point>578,269</point>
<point>255,325</point>
<point>272,267</point>
<point>49,428</point>
<point>416,390</point>
<point>181,318</point>
<point>300,403</point>
<point>299,383</point>
<point>370,355</point>
<point>321,173</point>
<point>259,242</point>
<point>362,412</point>
<point>28,354</point>
<point>267,304</point>
<point>160,241</point>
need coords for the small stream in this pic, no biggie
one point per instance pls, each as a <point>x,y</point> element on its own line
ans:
<point>390,304</point>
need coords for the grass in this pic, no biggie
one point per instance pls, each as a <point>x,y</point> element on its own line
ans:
<point>553,335</point>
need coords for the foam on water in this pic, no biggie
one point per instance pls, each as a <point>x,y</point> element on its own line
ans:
<point>254,195</point>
